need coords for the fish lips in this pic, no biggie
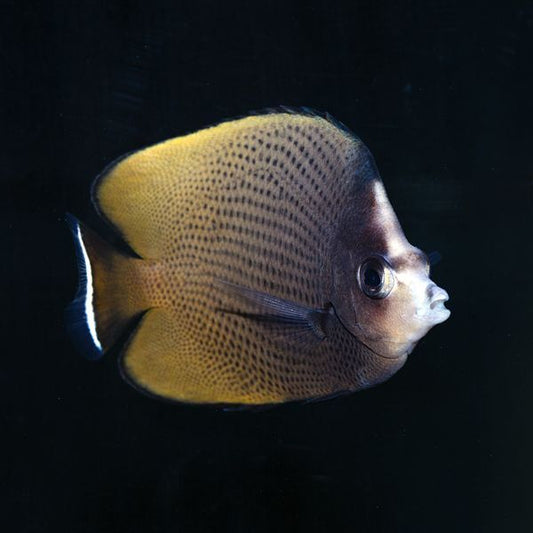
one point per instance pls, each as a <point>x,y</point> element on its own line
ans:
<point>436,312</point>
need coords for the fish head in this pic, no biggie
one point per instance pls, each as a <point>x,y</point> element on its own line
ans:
<point>396,302</point>
<point>383,293</point>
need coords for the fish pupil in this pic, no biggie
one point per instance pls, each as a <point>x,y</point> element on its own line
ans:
<point>372,278</point>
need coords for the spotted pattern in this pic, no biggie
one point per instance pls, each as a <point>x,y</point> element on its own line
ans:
<point>254,202</point>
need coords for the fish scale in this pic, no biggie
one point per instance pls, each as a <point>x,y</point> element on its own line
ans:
<point>250,207</point>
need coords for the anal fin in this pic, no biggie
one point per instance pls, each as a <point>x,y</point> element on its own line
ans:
<point>162,360</point>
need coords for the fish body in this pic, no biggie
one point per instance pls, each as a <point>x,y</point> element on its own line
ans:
<point>267,265</point>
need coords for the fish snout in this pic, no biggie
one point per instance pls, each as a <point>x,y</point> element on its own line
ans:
<point>437,295</point>
<point>437,298</point>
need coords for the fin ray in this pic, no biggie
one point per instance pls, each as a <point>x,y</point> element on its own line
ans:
<point>79,314</point>
<point>268,309</point>
<point>108,299</point>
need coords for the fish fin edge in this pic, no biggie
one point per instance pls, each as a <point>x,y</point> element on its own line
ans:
<point>119,238</point>
<point>104,306</point>
<point>145,335</point>
<point>145,349</point>
<point>79,314</point>
<point>304,111</point>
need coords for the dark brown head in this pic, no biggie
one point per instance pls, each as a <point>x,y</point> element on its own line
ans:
<point>382,291</point>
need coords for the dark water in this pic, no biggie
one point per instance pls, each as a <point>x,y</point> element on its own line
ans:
<point>441,93</point>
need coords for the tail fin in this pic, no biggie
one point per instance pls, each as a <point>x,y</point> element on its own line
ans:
<point>107,300</point>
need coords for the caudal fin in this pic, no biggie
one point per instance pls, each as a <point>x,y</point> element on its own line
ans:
<point>109,296</point>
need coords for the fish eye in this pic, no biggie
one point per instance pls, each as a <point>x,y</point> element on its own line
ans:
<point>376,278</point>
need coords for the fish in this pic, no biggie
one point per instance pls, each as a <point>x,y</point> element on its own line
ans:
<point>254,262</point>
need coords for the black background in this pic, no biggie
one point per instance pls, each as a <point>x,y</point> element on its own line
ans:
<point>441,93</point>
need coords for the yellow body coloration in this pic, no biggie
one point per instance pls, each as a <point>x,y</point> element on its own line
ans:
<point>256,206</point>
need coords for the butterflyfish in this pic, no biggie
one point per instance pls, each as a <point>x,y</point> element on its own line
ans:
<point>261,262</point>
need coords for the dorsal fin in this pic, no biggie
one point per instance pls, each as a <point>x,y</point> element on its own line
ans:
<point>138,195</point>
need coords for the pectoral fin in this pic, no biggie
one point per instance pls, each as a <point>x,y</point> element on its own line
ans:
<point>292,319</point>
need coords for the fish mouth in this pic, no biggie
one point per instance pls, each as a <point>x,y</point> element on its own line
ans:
<point>439,315</point>
<point>437,310</point>
<point>438,304</point>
